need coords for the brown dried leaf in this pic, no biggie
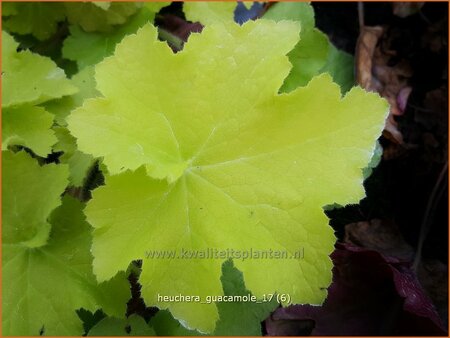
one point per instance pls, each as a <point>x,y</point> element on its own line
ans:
<point>380,235</point>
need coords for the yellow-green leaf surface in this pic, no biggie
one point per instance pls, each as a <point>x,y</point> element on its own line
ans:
<point>43,287</point>
<point>30,78</point>
<point>245,167</point>
<point>208,12</point>
<point>33,17</point>
<point>30,192</point>
<point>28,126</point>
<point>127,139</point>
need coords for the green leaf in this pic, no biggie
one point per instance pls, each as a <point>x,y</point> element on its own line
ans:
<point>9,8</point>
<point>341,67</point>
<point>314,54</point>
<point>29,78</point>
<point>155,6</point>
<point>103,5</point>
<point>94,18</point>
<point>30,127</point>
<point>79,163</point>
<point>236,318</point>
<point>310,55</point>
<point>240,318</point>
<point>47,284</point>
<point>374,161</point>
<point>90,319</point>
<point>165,325</point>
<point>132,326</point>
<point>301,12</point>
<point>90,48</point>
<point>207,12</point>
<point>37,18</point>
<point>85,82</point>
<point>30,192</point>
<point>307,58</point>
<point>245,167</point>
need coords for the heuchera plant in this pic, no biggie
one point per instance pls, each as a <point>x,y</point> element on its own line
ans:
<point>199,150</point>
<point>200,161</point>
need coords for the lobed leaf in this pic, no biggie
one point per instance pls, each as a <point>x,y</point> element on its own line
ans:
<point>131,326</point>
<point>90,48</point>
<point>94,18</point>
<point>41,19</point>
<point>37,18</point>
<point>29,78</point>
<point>30,193</point>
<point>310,55</point>
<point>47,284</point>
<point>28,126</point>
<point>61,108</point>
<point>341,66</point>
<point>79,163</point>
<point>204,153</point>
<point>236,318</point>
<point>240,318</point>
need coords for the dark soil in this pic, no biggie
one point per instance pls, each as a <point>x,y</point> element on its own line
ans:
<point>400,188</point>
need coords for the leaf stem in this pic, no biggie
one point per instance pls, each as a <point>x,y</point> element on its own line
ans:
<point>361,15</point>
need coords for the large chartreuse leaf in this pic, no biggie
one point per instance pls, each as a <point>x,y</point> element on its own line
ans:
<point>244,167</point>
<point>90,48</point>
<point>44,285</point>
<point>30,78</point>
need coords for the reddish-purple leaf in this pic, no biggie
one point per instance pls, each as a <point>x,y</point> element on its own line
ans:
<point>371,294</point>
